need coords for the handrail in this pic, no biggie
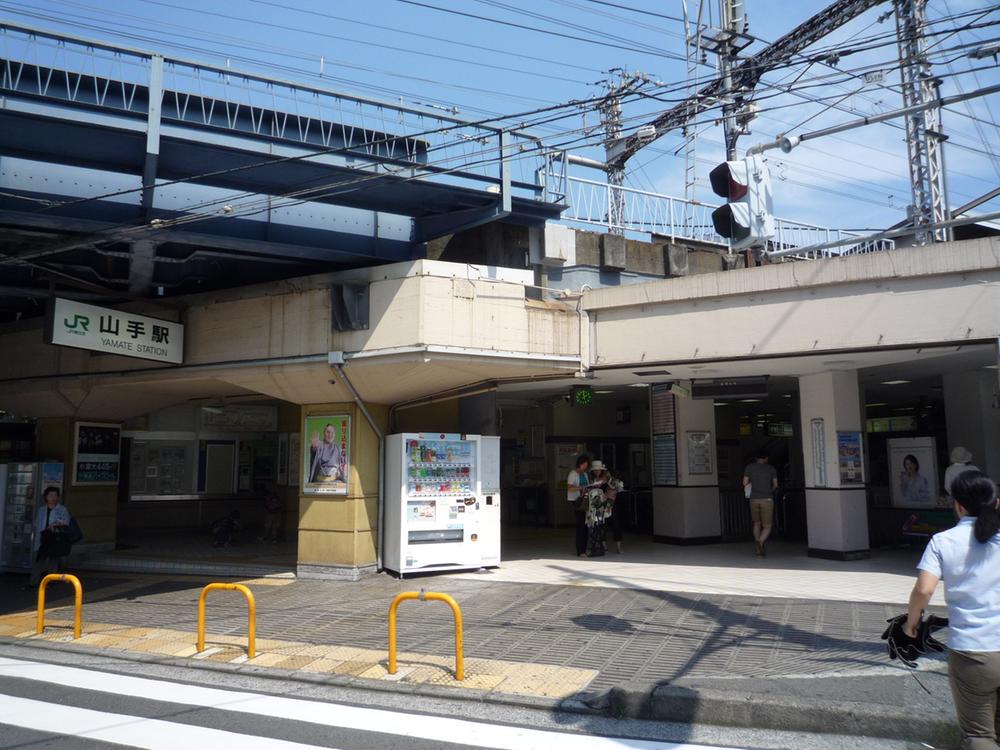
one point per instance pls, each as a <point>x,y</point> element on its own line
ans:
<point>78,602</point>
<point>427,596</point>
<point>251,614</point>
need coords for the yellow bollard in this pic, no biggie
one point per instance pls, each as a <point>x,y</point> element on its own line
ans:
<point>251,614</point>
<point>78,603</point>
<point>428,596</point>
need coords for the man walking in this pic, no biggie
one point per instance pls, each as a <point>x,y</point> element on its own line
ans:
<point>760,480</point>
<point>576,482</point>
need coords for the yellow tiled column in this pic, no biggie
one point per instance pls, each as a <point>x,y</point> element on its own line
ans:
<point>338,533</point>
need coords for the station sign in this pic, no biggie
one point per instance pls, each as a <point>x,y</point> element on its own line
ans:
<point>103,329</point>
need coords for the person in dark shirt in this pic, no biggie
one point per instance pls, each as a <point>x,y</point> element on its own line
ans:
<point>224,530</point>
<point>760,480</point>
<point>272,515</point>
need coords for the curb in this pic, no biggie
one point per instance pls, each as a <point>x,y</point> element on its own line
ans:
<point>312,678</point>
<point>741,708</point>
<point>648,701</point>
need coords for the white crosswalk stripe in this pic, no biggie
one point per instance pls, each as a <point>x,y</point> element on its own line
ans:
<point>135,731</point>
<point>157,734</point>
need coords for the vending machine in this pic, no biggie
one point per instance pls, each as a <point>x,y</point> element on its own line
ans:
<point>436,516</point>
<point>23,488</point>
<point>488,514</point>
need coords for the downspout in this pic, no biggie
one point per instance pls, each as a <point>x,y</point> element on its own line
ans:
<point>339,367</point>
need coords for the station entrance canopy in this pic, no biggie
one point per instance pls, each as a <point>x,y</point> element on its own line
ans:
<point>129,171</point>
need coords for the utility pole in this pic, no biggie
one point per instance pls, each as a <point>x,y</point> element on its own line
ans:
<point>694,55</point>
<point>924,137</point>
<point>733,23</point>
<point>727,45</point>
<point>618,85</point>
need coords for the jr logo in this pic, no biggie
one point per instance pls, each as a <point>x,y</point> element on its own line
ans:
<point>79,325</point>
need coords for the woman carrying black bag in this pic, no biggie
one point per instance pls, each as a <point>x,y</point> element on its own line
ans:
<point>55,533</point>
<point>967,559</point>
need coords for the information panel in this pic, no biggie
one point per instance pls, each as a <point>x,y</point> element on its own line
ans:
<point>665,459</point>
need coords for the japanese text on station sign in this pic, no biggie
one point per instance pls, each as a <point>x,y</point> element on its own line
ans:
<point>119,332</point>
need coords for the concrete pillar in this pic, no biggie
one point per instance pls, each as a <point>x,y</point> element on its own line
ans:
<point>689,512</point>
<point>338,533</point>
<point>971,418</point>
<point>836,512</point>
<point>142,267</point>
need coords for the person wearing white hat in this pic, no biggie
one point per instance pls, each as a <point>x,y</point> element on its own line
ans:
<point>960,462</point>
<point>601,494</point>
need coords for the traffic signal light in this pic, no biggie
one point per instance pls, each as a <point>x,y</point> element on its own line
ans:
<point>746,220</point>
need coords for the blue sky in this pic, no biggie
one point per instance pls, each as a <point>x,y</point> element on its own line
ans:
<point>384,48</point>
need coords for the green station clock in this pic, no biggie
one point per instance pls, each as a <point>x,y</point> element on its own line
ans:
<point>581,395</point>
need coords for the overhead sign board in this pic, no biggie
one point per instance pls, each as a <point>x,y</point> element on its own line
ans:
<point>102,329</point>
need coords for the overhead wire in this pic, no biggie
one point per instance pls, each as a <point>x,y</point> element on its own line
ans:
<point>525,27</point>
<point>560,117</point>
<point>419,35</point>
<point>566,23</point>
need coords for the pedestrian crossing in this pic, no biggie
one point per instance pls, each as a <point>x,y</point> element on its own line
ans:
<point>59,700</point>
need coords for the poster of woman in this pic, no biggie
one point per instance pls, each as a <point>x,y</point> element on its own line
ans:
<point>913,476</point>
<point>326,454</point>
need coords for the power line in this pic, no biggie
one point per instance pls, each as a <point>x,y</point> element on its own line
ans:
<point>621,19</point>
<point>637,10</point>
<point>290,52</point>
<point>567,24</point>
<point>411,32</point>
<point>524,27</point>
<point>768,110</point>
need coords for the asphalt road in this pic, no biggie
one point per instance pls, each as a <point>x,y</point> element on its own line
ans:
<point>51,699</point>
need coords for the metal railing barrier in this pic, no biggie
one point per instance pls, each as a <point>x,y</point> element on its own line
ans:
<point>77,604</point>
<point>251,614</point>
<point>427,596</point>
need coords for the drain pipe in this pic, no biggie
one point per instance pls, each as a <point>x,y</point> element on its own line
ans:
<point>336,360</point>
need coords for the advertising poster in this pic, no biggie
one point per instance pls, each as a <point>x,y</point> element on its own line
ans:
<point>326,454</point>
<point>913,477</point>
<point>850,458</point>
<point>283,458</point>
<point>96,453</point>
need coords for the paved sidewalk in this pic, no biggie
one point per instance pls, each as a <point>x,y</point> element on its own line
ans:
<point>780,662</point>
<point>623,634</point>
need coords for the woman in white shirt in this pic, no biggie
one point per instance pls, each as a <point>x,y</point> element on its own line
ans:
<point>967,559</point>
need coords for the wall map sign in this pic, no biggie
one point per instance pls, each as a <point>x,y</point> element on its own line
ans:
<point>96,453</point>
<point>665,460</point>
<point>102,329</point>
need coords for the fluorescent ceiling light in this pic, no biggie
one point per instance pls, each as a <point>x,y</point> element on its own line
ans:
<point>872,406</point>
<point>719,403</point>
<point>638,385</point>
<point>895,382</point>
<point>603,391</point>
<point>786,395</point>
<point>749,400</point>
<point>990,367</point>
